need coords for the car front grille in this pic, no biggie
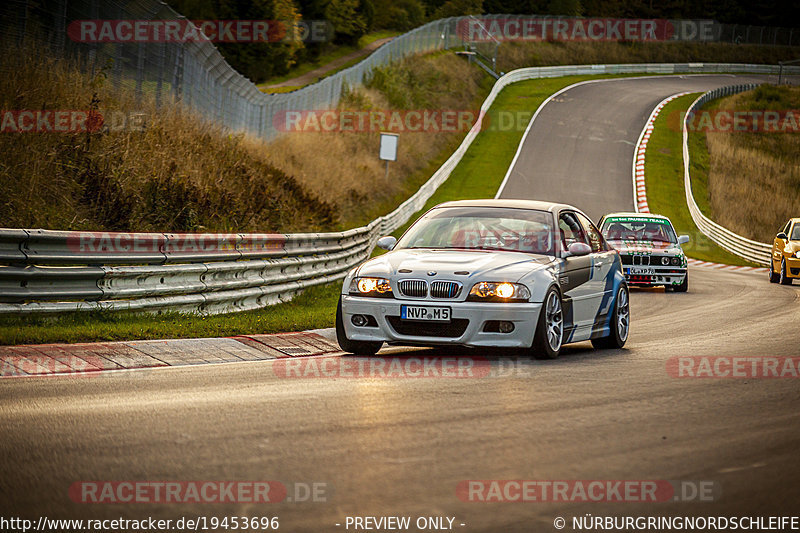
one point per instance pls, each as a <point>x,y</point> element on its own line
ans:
<point>455,328</point>
<point>445,289</point>
<point>641,260</point>
<point>414,288</point>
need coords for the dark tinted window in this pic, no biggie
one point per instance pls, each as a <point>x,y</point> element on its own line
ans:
<point>571,229</point>
<point>596,240</point>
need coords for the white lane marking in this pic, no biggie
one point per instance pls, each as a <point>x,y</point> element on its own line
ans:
<point>739,468</point>
<point>637,167</point>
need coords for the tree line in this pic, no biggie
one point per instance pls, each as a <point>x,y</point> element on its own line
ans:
<point>349,20</point>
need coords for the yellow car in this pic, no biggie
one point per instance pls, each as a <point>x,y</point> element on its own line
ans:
<point>786,254</point>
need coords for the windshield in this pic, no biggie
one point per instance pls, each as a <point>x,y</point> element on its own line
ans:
<point>482,228</point>
<point>638,229</point>
<point>795,236</point>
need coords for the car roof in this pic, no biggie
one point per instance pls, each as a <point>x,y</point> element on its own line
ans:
<point>517,204</point>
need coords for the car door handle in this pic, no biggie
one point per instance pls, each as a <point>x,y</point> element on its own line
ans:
<point>598,265</point>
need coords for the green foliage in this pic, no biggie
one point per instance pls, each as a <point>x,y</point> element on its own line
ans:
<point>349,22</point>
<point>256,61</point>
<point>772,97</point>
<point>402,15</point>
<point>570,8</point>
<point>457,8</point>
<point>354,18</point>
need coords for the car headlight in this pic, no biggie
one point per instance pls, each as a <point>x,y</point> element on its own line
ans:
<point>665,260</point>
<point>676,261</point>
<point>379,287</point>
<point>797,254</point>
<point>489,291</point>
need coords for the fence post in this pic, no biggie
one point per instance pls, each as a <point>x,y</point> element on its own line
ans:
<point>61,27</point>
<point>162,52</point>
<point>140,49</point>
<point>177,72</point>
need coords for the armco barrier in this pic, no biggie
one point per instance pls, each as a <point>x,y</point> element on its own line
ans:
<point>757,252</point>
<point>49,272</point>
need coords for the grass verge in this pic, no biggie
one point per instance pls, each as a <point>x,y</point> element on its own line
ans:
<point>664,180</point>
<point>314,308</point>
<point>328,57</point>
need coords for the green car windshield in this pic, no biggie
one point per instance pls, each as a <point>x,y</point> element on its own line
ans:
<point>650,229</point>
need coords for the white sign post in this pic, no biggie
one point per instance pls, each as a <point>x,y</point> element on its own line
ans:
<point>388,151</point>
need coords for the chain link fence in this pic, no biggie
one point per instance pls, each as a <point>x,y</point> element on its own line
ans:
<point>196,74</point>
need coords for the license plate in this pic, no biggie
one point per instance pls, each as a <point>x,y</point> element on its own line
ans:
<point>427,314</point>
<point>641,271</point>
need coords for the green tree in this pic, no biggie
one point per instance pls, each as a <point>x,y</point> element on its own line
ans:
<point>349,24</point>
<point>567,8</point>
<point>458,8</point>
<point>402,15</point>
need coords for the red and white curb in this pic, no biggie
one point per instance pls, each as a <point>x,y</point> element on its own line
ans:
<point>640,189</point>
<point>86,359</point>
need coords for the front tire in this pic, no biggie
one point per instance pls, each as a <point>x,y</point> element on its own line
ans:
<point>550,327</point>
<point>784,279</point>
<point>684,286</point>
<point>773,276</point>
<point>354,347</point>
<point>620,323</point>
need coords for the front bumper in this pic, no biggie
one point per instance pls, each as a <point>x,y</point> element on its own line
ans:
<point>792,267</point>
<point>468,320</point>
<point>661,275</point>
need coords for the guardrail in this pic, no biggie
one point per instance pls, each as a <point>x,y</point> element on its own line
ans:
<point>55,271</point>
<point>757,252</point>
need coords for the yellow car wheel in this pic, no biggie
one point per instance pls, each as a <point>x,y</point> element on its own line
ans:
<point>773,276</point>
<point>785,280</point>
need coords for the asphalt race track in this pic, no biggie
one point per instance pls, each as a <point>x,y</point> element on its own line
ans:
<point>400,447</point>
<point>580,147</point>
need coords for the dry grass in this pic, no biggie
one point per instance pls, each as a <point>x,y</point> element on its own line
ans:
<point>178,173</point>
<point>344,168</point>
<point>754,178</point>
<point>534,54</point>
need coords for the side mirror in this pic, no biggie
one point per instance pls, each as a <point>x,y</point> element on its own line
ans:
<point>683,239</point>
<point>387,243</point>
<point>578,249</point>
<point>782,235</point>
